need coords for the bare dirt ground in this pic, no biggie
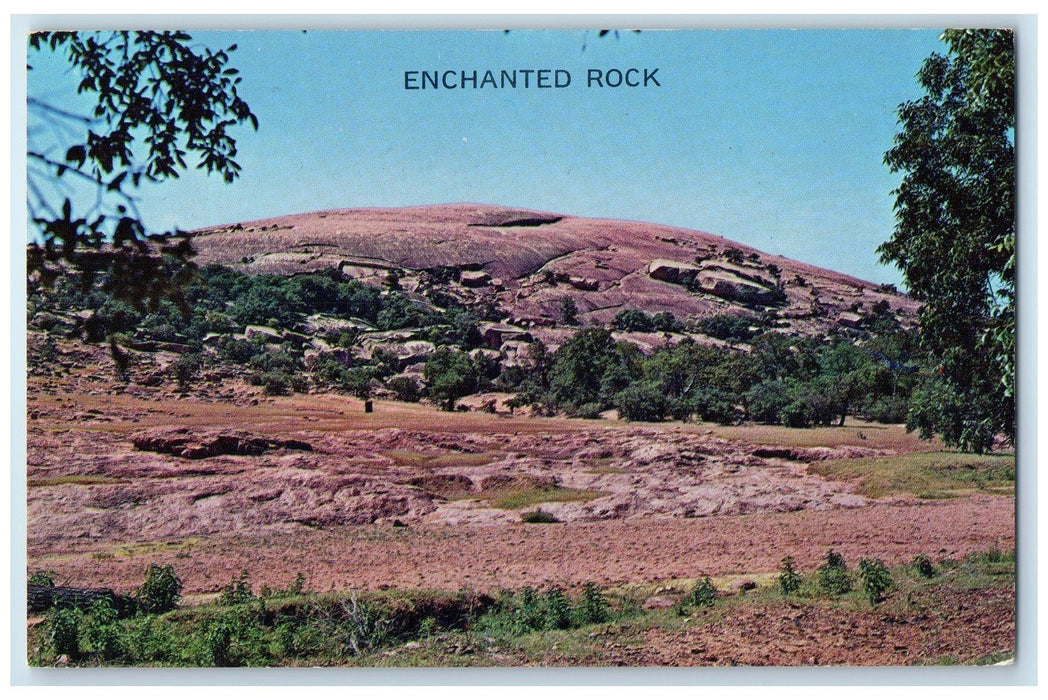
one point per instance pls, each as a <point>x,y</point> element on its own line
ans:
<point>969,627</point>
<point>412,497</point>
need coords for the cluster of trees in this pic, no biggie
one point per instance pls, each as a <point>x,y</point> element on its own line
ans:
<point>789,380</point>
<point>222,300</point>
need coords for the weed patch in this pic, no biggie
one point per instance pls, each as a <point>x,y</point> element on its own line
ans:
<point>515,498</point>
<point>925,474</point>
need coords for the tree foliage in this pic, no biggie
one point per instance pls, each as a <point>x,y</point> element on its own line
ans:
<point>158,101</point>
<point>451,375</point>
<point>954,238</point>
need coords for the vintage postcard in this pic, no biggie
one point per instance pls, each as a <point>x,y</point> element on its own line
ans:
<point>573,348</point>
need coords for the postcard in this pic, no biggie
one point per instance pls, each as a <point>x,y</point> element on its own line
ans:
<point>507,348</point>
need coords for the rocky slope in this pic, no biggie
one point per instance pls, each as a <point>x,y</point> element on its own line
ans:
<point>524,264</point>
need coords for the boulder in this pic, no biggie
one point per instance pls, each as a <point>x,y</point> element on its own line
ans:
<point>320,323</point>
<point>849,319</point>
<point>728,285</point>
<point>584,284</point>
<point>186,443</point>
<point>672,271</point>
<point>477,278</point>
<point>269,335</point>
<point>495,335</point>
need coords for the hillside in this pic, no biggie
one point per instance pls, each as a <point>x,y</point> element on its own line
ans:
<point>525,263</point>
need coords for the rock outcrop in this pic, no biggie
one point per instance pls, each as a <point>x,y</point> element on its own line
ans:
<point>191,444</point>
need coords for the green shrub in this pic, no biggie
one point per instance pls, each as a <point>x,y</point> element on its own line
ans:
<point>43,577</point>
<point>795,415</point>
<point>593,607</point>
<point>833,576</point>
<point>589,411</point>
<point>160,591</point>
<point>186,368</point>
<point>538,516</point>
<point>280,383</point>
<point>875,579</point>
<point>103,632</point>
<point>703,593</point>
<point>406,389</point>
<point>727,327</point>
<point>63,630</point>
<point>237,591</point>
<point>924,567</point>
<point>557,609</point>
<point>527,613</point>
<point>633,320</point>
<point>641,402</point>
<point>789,579</point>
<point>149,640</point>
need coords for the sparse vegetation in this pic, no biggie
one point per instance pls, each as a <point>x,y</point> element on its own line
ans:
<point>160,591</point>
<point>538,516</point>
<point>704,593</point>
<point>833,576</point>
<point>293,627</point>
<point>875,579</point>
<point>926,474</point>
<point>789,580</point>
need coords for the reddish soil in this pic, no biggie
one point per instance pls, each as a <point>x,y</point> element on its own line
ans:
<point>225,480</point>
<point>960,627</point>
<point>644,503</point>
<point>489,557</point>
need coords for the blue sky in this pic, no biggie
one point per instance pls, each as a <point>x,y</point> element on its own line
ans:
<point>771,138</point>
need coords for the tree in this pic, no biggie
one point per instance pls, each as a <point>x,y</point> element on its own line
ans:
<point>569,312</point>
<point>954,238</point>
<point>451,376</point>
<point>157,100</point>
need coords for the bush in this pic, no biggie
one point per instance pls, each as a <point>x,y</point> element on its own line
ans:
<point>633,320</point>
<point>280,383</point>
<point>875,579</point>
<point>589,411</point>
<point>42,577</point>
<point>704,593</point>
<point>727,327</point>
<point>160,591</point>
<point>538,516</point>
<point>666,322</point>
<point>527,613</point>
<point>888,409</point>
<point>569,312</point>
<point>922,564</point>
<point>235,638</point>
<point>641,402</point>
<point>833,575</point>
<point>186,368</point>
<point>767,400</point>
<point>237,591</point>
<point>594,606</point>
<point>406,389</point>
<point>789,579</point>
<point>714,406</point>
<point>557,609</point>
<point>795,415</point>
<point>63,630</point>
<point>103,632</point>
